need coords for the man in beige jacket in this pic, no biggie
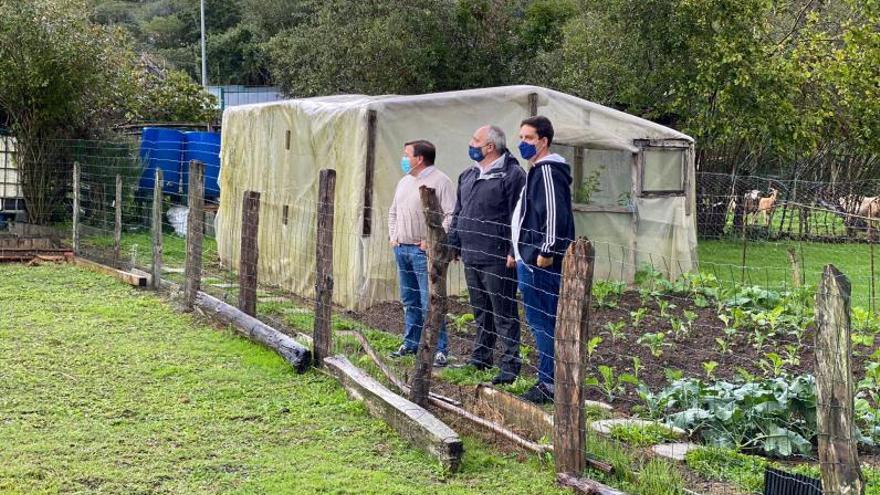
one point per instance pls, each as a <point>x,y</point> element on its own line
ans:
<point>408,235</point>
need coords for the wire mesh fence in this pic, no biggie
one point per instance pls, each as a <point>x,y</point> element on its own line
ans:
<point>727,355</point>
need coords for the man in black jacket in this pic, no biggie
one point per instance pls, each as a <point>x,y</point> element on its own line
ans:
<point>541,230</point>
<point>480,229</point>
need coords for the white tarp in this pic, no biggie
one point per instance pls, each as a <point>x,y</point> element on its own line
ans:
<point>278,148</point>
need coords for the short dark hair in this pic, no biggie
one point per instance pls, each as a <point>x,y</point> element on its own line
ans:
<point>542,126</point>
<point>423,148</point>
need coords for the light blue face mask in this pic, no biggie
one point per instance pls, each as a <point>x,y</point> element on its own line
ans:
<point>405,165</point>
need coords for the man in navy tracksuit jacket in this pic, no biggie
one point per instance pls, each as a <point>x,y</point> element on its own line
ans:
<point>480,229</point>
<point>541,230</point>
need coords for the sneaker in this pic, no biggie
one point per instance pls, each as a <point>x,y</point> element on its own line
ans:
<point>504,379</point>
<point>539,394</point>
<point>403,351</point>
<point>440,360</point>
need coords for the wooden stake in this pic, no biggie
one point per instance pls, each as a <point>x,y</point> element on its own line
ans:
<point>369,173</point>
<point>438,262</point>
<point>76,174</point>
<point>157,230</point>
<point>795,268</point>
<point>838,457</point>
<point>247,265</point>
<point>117,227</point>
<point>324,265</point>
<point>195,232</point>
<point>572,334</point>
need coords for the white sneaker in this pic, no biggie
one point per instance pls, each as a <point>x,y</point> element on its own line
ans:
<point>440,360</point>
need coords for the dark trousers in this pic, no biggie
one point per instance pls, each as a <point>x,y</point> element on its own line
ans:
<point>492,290</point>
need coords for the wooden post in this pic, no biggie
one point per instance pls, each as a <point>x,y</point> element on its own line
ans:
<point>838,457</point>
<point>795,268</point>
<point>76,177</point>
<point>195,231</point>
<point>533,104</point>
<point>247,265</point>
<point>572,334</point>
<point>157,230</point>
<point>117,228</point>
<point>439,257</point>
<point>324,266</point>
<point>369,173</point>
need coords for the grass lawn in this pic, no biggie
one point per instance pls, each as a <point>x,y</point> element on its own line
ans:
<point>767,262</point>
<point>106,389</point>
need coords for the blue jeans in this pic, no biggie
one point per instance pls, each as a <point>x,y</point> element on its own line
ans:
<point>412,271</point>
<point>540,295</point>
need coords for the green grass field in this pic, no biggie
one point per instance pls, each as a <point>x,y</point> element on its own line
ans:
<point>106,389</point>
<point>768,264</point>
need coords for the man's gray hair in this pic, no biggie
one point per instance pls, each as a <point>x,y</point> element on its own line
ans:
<point>496,136</point>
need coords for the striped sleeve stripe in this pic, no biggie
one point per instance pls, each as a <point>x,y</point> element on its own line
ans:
<point>550,196</point>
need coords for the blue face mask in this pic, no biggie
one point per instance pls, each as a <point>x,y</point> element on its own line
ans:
<point>476,153</point>
<point>405,165</point>
<point>526,150</point>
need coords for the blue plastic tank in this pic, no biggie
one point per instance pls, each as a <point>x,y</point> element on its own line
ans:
<point>205,147</point>
<point>163,149</point>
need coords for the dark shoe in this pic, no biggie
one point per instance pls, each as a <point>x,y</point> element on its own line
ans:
<point>539,394</point>
<point>403,351</point>
<point>479,365</point>
<point>503,379</point>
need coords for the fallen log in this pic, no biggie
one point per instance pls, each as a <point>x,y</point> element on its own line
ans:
<point>254,329</point>
<point>129,278</point>
<point>585,486</point>
<point>414,423</point>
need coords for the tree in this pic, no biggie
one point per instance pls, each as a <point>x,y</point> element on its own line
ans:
<point>60,75</point>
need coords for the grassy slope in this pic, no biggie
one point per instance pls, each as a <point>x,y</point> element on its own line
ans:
<point>768,263</point>
<point>104,389</point>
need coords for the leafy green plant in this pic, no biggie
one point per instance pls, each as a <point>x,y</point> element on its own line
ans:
<point>709,367</point>
<point>611,385</point>
<point>772,364</point>
<point>583,194</point>
<point>592,345</point>
<point>664,307</point>
<point>615,329</point>
<point>461,322</point>
<point>776,415</point>
<point>655,342</point>
<point>637,316</point>
<point>636,367</point>
<point>607,293</point>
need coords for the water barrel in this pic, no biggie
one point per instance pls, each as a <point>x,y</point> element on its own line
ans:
<point>163,149</point>
<point>205,147</point>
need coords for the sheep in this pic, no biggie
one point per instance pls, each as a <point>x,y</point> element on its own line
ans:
<point>767,205</point>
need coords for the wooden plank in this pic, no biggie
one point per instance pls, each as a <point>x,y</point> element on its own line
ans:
<point>324,265</point>
<point>439,257</point>
<point>247,266</point>
<point>414,423</point>
<point>292,351</point>
<point>515,412</point>
<point>195,232</point>
<point>117,225</point>
<point>572,335</point>
<point>838,455</point>
<point>533,104</point>
<point>76,200</point>
<point>585,486</point>
<point>129,278</point>
<point>157,230</point>
<point>369,173</point>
